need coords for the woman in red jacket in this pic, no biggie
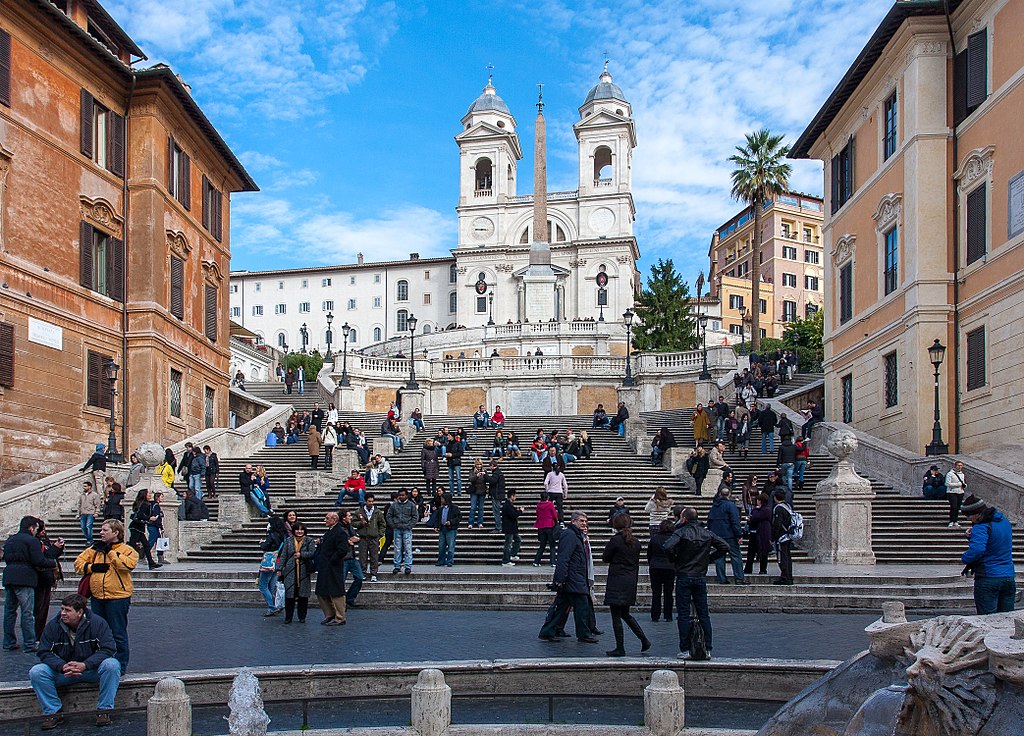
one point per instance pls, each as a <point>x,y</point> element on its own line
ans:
<point>546,524</point>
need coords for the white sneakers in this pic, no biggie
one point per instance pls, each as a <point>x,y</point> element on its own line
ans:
<point>508,564</point>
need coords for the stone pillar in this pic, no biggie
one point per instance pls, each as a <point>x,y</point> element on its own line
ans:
<point>411,400</point>
<point>707,392</point>
<point>169,711</point>
<point>842,505</point>
<point>431,704</point>
<point>234,510</point>
<point>664,704</point>
<point>383,446</point>
<point>675,460</point>
<point>315,484</point>
<point>344,398</point>
<point>711,482</point>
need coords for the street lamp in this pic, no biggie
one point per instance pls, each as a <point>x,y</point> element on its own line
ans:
<point>411,324</point>
<point>936,353</point>
<point>705,374</point>
<point>304,331</point>
<point>328,358</point>
<point>345,330</point>
<point>743,325</point>
<point>110,368</point>
<point>490,300</point>
<point>627,317</point>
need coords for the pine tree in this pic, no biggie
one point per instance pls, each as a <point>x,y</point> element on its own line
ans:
<point>663,313</point>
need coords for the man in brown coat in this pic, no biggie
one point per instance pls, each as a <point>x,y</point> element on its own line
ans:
<point>314,443</point>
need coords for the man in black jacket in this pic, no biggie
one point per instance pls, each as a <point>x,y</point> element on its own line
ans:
<point>453,451</point>
<point>330,579</point>
<point>782,520</point>
<point>24,555</point>
<point>97,464</point>
<point>621,415</point>
<point>317,417</point>
<point>496,490</point>
<point>246,479</point>
<point>510,524</point>
<point>767,420</point>
<point>185,466</point>
<point>571,582</point>
<point>693,548</point>
<point>786,461</point>
<point>76,647</point>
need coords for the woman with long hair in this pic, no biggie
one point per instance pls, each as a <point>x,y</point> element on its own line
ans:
<point>622,553</point>
<point>142,511</point>
<point>557,488</point>
<point>659,507</point>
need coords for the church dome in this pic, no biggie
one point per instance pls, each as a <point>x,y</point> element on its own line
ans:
<point>605,89</point>
<point>488,101</point>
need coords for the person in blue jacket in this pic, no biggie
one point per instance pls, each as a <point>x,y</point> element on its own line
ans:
<point>989,556</point>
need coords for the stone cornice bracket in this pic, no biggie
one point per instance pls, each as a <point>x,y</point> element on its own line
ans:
<point>178,244</point>
<point>844,249</point>
<point>890,209</point>
<point>977,164</point>
<point>101,213</point>
<point>504,268</point>
<point>212,273</point>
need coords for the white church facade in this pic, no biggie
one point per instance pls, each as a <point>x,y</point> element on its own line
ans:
<point>593,251</point>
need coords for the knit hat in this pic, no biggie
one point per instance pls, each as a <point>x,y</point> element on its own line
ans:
<point>99,448</point>
<point>973,505</point>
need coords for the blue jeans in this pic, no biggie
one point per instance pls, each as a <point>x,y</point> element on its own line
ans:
<point>480,423</point>
<point>418,423</point>
<point>395,440</point>
<point>302,386</point>
<point>798,471</point>
<point>19,599</point>
<point>115,612</point>
<point>693,590</point>
<point>195,483</point>
<point>86,521</point>
<point>496,509</point>
<point>767,442</point>
<point>360,494</point>
<point>152,534</point>
<point>446,546</point>
<point>455,480</point>
<point>994,595</point>
<point>45,682</point>
<point>403,548</point>
<point>568,457</point>
<point>352,566</point>
<point>787,474</point>
<point>268,587</point>
<point>735,557</point>
<point>476,510</point>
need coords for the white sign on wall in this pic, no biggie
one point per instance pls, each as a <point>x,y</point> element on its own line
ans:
<point>46,334</point>
<point>1015,208</point>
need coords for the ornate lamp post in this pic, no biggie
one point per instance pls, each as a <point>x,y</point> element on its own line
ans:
<point>345,330</point>
<point>743,324</point>
<point>110,369</point>
<point>304,332</point>
<point>705,374</point>
<point>411,324</point>
<point>329,357</point>
<point>627,317</point>
<point>936,353</point>
<point>490,301</point>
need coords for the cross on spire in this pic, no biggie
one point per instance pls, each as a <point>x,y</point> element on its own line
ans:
<point>540,97</point>
<point>490,72</point>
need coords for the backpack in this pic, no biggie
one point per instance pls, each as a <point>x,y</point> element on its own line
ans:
<point>795,534</point>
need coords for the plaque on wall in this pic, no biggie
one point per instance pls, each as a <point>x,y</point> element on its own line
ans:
<point>44,333</point>
<point>1015,206</point>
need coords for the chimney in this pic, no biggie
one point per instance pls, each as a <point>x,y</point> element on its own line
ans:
<point>359,258</point>
<point>414,256</point>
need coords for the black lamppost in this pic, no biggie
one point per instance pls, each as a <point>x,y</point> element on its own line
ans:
<point>936,447</point>
<point>330,318</point>
<point>627,317</point>
<point>490,301</point>
<point>411,324</point>
<point>304,332</point>
<point>743,324</point>
<point>345,330</point>
<point>600,305</point>
<point>705,374</point>
<point>110,369</point>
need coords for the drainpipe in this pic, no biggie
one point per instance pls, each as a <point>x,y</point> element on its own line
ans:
<point>125,451</point>
<point>956,256</point>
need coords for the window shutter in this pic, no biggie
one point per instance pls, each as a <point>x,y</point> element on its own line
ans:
<point>6,355</point>
<point>97,386</point>
<point>976,225</point>
<point>218,214</point>
<point>185,196</point>
<point>959,88</point>
<point>836,169</point>
<point>177,287</point>
<point>206,203</point>
<point>851,157</point>
<point>170,165</point>
<point>976,359</point>
<point>977,69</point>
<point>5,68</point>
<point>115,265</point>
<point>846,293</point>
<point>86,113</point>
<point>86,264</point>
<point>210,317</point>
<point>115,159</point>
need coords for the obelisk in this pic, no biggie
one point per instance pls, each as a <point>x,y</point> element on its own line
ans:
<point>539,279</point>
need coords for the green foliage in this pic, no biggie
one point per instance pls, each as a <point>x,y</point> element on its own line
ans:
<point>806,336</point>
<point>663,311</point>
<point>311,363</point>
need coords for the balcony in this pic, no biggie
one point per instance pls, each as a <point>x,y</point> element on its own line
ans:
<point>602,183</point>
<point>483,192</point>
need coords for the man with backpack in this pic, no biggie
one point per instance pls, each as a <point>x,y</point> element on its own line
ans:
<point>787,527</point>
<point>692,547</point>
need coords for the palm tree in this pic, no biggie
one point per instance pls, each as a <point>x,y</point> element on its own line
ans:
<point>761,174</point>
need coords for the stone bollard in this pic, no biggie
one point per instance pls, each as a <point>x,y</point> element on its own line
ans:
<point>234,510</point>
<point>169,711</point>
<point>431,704</point>
<point>383,446</point>
<point>664,704</point>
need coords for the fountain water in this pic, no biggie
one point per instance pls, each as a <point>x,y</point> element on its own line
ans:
<point>248,718</point>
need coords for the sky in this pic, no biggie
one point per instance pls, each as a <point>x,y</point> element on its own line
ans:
<point>345,111</point>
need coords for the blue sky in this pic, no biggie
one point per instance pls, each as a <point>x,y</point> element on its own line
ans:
<point>345,111</point>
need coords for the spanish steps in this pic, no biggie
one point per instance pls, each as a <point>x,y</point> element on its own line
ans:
<point>907,530</point>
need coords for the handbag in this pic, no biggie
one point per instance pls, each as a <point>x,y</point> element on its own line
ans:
<point>163,544</point>
<point>697,643</point>
<point>269,561</point>
<point>84,587</point>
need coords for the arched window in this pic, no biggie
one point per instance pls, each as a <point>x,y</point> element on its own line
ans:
<point>352,335</point>
<point>402,320</point>
<point>553,227</point>
<point>403,291</point>
<point>453,274</point>
<point>282,340</point>
<point>427,329</point>
<point>559,233</point>
<point>453,302</point>
<point>484,176</point>
<point>602,166</point>
<point>378,334</point>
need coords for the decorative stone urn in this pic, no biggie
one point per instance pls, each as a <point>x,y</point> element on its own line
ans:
<point>843,509</point>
